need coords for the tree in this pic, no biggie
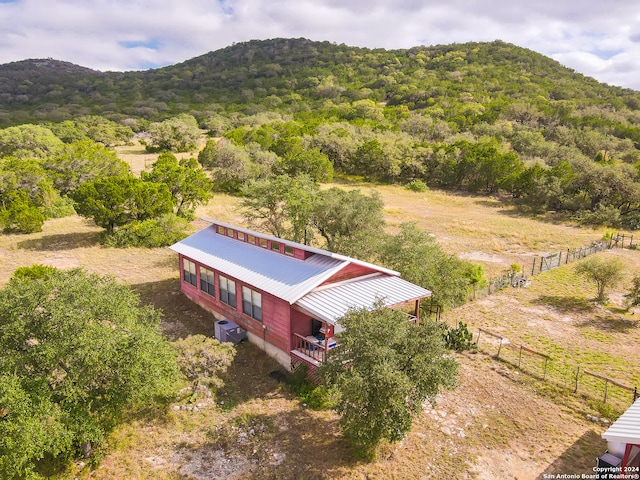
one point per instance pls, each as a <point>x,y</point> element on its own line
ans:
<point>28,141</point>
<point>81,162</point>
<point>229,164</point>
<point>422,261</point>
<point>202,359</point>
<point>281,206</point>
<point>78,353</point>
<point>604,273</point>
<point>177,134</point>
<point>308,162</point>
<point>384,368</point>
<point>27,176</point>
<point>187,182</point>
<point>632,297</point>
<point>115,201</point>
<point>20,215</point>
<point>103,130</point>
<point>350,222</point>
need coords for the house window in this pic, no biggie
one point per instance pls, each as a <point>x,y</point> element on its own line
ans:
<point>251,239</point>
<point>263,242</point>
<point>229,233</point>
<point>241,236</point>
<point>206,281</point>
<point>220,229</point>
<point>252,303</point>
<point>227,291</point>
<point>288,250</point>
<point>275,246</point>
<point>189,272</point>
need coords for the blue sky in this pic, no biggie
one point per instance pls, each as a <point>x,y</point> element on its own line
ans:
<point>598,38</point>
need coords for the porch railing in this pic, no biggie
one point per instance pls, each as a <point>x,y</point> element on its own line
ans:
<point>309,348</point>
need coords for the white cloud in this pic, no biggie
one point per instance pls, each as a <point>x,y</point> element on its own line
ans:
<point>596,38</point>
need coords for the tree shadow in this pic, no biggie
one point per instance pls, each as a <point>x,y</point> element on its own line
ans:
<point>566,304</point>
<point>278,445</point>
<point>181,317</point>
<point>609,323</point>
<point>61,241</point>
<point>579,458</point>
<point>248,377</point>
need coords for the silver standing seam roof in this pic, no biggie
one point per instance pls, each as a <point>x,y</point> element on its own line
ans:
<point>294,280</point>
<point>627,428</point>
<point>331,302</point>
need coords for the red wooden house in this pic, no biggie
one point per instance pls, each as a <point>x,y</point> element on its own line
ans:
<point>287,296</point>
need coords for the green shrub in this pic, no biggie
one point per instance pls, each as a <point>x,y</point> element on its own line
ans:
<point>417,186</point>
<point>319,397</point>
<point>60,207</point>
<point>460,338</point>
<point>152,233</point>
<point>22,216</point>
<point>34,272</point>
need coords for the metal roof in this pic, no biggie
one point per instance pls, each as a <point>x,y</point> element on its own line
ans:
<point>282,276</point>
<point>331,302</point>
<point>306,248</point>
<point>627,428</point>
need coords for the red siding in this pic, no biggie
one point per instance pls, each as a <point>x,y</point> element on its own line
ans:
<point>300,324</point>
<point>350,271</point>
<point>275,312</point>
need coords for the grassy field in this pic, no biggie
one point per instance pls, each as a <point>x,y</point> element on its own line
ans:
<point>500,422</point>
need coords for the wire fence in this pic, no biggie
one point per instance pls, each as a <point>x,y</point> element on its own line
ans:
<point>571,377</point>
<point>518,277</point>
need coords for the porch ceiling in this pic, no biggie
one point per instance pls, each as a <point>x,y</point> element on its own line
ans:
<point>331,302</point>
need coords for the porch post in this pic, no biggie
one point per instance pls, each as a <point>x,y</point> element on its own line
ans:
<point>625,459</point>
<point>417,311</point>
<point>326,340</point>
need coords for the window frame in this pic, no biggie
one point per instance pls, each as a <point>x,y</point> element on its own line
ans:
<point>289,250</point>
<point>252,303</point>
<point>189,276</point>
<point>207,284</point>
<point>227,295</point>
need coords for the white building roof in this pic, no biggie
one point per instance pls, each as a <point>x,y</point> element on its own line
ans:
<point>306,248</point>
<point>331,302</point>
<point>627,428</point>
<point>282,276</point>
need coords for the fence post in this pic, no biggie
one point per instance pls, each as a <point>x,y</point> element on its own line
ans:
<point>544,375</point>
<point>631,242</point>
<point>567,259</point>
<point>520,357</point>
<point>541,259</point>
<point>606,386</point>
<point>577,379</point>
<point>478,339</point>
<point>533,268</point>
<point>635,394</point>
<point>560,258</point>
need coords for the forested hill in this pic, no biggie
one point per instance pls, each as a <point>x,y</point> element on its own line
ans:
<point>487,118</point>
<point>465,83</point>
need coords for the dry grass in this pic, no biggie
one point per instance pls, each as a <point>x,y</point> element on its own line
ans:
<point>498,423</point>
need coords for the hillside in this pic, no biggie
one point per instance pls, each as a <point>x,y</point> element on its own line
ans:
<point>297,74</point>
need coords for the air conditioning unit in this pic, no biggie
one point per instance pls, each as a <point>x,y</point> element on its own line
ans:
<point>228,331</point>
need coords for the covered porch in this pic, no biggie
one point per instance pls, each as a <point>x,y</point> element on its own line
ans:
<point>320,311</point>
